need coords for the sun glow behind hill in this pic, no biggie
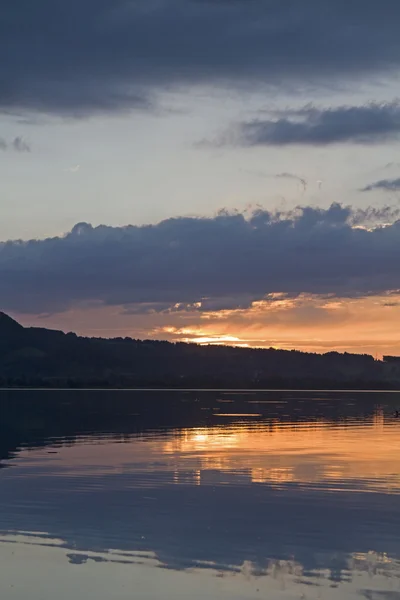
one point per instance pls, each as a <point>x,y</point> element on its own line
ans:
<point>309,323</point>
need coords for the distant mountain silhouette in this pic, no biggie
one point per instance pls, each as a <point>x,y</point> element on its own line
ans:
<point>43,357</point>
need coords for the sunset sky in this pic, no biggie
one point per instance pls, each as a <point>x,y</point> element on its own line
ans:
<point>219,171</point>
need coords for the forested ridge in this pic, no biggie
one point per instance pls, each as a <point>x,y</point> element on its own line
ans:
<point>36,357</point>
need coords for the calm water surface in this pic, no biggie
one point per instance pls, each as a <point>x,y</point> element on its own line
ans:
<point>220,495</point>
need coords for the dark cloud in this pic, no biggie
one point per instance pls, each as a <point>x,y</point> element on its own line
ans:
<point>371,123</point>
<point>18,145</point>
<point>206,305</point>
<point>388,185</point>
<point>211,260</point>
<point>82,56</point>
<point>371,214</point>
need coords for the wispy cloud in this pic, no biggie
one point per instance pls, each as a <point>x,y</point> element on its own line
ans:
<point>18,144</point>
<point>294,177</point>
<point>283,175</point>
<point>312,126</point>
<point>73,169</point>
<point>387,185</point>
<point>391,165</point>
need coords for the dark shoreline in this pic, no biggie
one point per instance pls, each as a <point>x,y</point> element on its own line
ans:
<point>345,387</point>
<point>43,358</point>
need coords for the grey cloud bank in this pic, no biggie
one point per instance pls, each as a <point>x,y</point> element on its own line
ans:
<point>84,56</point>
<point>312,126</point>
<point>186,260</point>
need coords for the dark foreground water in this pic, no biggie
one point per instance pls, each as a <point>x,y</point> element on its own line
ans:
<point>220,495</point>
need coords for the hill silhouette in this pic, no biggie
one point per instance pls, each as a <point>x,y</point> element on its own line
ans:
<point>8,326</point>
<point>32,356</point>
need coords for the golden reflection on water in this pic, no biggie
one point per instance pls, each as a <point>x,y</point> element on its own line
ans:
<point>319,453</point>
<point>306,453</point>
<point>142,544</point>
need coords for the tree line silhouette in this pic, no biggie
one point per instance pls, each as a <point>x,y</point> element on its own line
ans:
<point>38,357</point>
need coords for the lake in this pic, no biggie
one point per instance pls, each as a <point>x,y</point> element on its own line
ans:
<point>111,495</point>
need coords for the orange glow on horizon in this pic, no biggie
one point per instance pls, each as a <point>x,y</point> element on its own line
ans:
<point>308,323</point>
